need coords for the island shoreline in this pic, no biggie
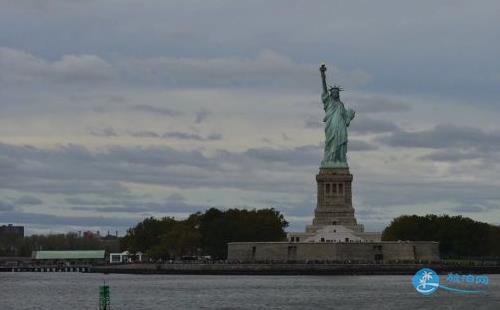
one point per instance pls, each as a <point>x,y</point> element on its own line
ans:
<point>289,269</point>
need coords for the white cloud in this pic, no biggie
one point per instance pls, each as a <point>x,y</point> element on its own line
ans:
<point>20,66</point>
<point>267,69</point>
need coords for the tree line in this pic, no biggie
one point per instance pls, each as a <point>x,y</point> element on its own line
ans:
<point>208,234</point>
<point>203,233</point>
<point>458,237</point>
<point>15,246</point>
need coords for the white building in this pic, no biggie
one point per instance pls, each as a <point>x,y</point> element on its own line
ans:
<point>124,257</point>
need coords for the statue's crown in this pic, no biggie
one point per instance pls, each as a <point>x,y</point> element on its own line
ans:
<point>336,87</point>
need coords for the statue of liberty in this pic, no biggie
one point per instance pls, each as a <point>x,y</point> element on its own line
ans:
<point>337,119</point>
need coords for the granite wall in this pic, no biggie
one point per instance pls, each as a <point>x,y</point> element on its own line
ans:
<point>341,252</point>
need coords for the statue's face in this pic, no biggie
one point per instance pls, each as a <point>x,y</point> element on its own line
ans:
<point>334,93</point>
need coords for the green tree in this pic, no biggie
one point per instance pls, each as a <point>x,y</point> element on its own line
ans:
<point>204,233</point>
<point>220,227</point>
<point>457,236</point>
<point>146,234</point>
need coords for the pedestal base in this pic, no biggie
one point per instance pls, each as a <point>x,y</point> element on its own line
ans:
<point>334,199</point>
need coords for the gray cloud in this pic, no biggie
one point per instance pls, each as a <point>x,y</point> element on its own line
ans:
<point>191,136</point>
<point>299,155</point>
<point>304,207</point>
<point>103,132</point>
<point>446,136</point>
<point>477,205</point>
<point>146,108</point>
<point>313,122</point>
<point>378,104</point>
<point>101,172</point>
<point>359,146</point>
<point>285,137</point>
<point>305,155</point>
<point>214,136</point>
<point>469,209</point>
<point>411,193</point>
<point>73,169</point>
<point>144,134</point>
<point>202,115</point>
<point>110,133</point>
<point>176,197</point>
<point>28,200</point>
<point>6,207</point>
<point>54,220</point>
<point>59,183</point>
<point>90,202</point>
<point>365,125</point>
<point>174,203</point>
<point>453,155</point>
<point>182,136</point>
<point>169,206</point>
<point>267,67</point>
<point>175,135</point>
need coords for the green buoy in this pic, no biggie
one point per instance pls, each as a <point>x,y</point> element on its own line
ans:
<point>104,302</point>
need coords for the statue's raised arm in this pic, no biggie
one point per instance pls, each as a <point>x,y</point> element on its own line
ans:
<point>322,69</point>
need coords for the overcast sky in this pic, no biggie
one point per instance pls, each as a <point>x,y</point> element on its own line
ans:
<point>113,111</point>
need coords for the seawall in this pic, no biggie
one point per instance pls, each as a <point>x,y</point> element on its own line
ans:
<point>289,269</point>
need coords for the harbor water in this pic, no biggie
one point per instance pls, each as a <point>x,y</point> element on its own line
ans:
<point>54,291</point>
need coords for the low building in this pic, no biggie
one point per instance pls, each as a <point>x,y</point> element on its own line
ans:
<point>69,257</point>
<point>125,257</point>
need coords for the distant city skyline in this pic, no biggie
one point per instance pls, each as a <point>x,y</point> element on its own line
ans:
<point>113,111</point>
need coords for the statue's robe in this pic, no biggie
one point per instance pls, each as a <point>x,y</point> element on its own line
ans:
<point>337,119</point>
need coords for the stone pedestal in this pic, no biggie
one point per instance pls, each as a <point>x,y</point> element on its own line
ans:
<point>334,202</point>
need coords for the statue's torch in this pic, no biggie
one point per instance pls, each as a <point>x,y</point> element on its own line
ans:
<point>322,69</point>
